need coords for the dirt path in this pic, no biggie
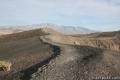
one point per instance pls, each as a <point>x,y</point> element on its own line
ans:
<point>68,53</point>
<point>55,66</point>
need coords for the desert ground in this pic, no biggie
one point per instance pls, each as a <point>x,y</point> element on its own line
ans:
<point>45,54</point>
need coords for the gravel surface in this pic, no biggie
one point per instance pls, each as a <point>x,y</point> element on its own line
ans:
<point>80,63</point>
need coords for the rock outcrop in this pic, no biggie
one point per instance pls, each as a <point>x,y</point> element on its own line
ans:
<point>5,66</point>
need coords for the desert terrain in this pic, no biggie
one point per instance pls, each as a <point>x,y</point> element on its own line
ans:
<point>46,54</point>
<point>10,30</point>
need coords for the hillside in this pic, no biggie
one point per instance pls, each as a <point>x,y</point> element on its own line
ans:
<point>108,42</point>
<point>79,62</point>
<point>23,50</point>
<point>27,34</point>
<point>45,54</point>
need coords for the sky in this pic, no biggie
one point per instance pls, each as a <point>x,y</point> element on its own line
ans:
<point>103,15</point>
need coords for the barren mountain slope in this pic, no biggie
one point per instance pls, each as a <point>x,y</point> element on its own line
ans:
<point>25,51</point>
<point>79,63</point>
<point>115,34</point>
<point>44,54</point>
<point>111,43</point>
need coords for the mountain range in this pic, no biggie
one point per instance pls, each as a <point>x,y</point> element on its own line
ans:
<point>63,29</point>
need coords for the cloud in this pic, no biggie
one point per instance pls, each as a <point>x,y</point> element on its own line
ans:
<point>41,8</point>
<point>89,8</point>
<point>75,11</point>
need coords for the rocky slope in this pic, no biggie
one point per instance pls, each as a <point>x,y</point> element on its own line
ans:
<point>78,62</point>
<point>110,43</point>
<point>26,53</point>
<point>45,54</point>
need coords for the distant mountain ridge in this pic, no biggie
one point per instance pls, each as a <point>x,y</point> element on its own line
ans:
<point>66,29</point>
<point>62,29</point>
<point>4,31</point>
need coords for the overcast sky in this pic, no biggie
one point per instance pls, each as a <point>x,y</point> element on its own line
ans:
<point>94,14</point>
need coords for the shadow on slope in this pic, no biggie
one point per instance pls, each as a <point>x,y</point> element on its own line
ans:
<point>29,71</point>
<point>90,54</point>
